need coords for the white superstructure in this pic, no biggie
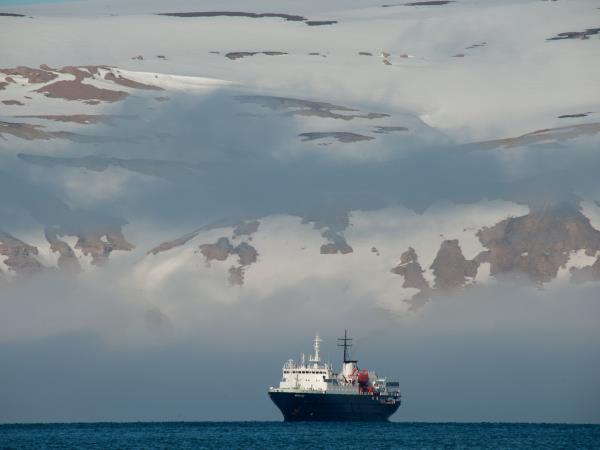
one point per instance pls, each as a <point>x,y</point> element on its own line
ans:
<point>315,375</point>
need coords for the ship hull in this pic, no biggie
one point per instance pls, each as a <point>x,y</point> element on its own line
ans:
<point>332,407</point>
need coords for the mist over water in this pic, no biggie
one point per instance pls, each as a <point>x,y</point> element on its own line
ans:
<point>488,355</point>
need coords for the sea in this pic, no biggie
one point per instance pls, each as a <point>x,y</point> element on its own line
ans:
<point>280,435</point>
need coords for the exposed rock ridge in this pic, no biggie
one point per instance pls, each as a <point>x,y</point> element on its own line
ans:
<point>20,257</point>
<point>67,260</point>
<point>412,272</point>
<point>100,244</point>
<point>538,244</point>
<point>450,268</point>
<point>332,223</point>
<point>222,249</point>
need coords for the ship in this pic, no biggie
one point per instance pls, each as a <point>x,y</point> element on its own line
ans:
<point>312,391</point>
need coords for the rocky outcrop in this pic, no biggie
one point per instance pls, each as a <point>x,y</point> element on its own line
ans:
<point>251,15</point>
<point>84,119</point>
<point>586,274</point>
<point>412,272</point>
<point>332,222</point>
<point>33,76</point>
<point>539,137</point>
<point>24,131</point>
<point>246,228</point>
<point>344,137</point>
<point>222,249</point>
<point>538,244</point>
<point>78,72</point>
<point>30,132</point>
<point>388,129</point>
<point>119,79</point>
<point>67,260</point>
<point>307,108</point>
<point>99,244</point>
<point>218,251</point>
<point>246,253</point>
<point>20,257</point>
<point>238,55</point>
<point>422,3</point>
<point>76,90</point>
<point>317,23</point>
<point>337,244</point>
<point>450,268</point>
<point>165,246</point>
<point>585,34</point>
<point>243,228</point>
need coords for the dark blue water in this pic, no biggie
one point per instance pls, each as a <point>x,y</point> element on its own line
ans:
<point>275,435</point>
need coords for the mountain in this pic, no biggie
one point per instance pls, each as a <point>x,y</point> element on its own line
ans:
<point>388,148</point>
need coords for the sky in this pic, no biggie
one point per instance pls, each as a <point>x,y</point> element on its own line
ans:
<point>26,2</point>
<point>166,337</point>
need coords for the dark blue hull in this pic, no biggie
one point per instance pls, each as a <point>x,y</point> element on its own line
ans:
<point>333,407</point>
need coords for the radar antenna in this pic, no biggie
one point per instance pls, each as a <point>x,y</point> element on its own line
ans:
<point>346,343</point>
<point>316,357</point>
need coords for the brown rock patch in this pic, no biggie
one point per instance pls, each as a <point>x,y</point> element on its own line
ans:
<point>246,228</point>
<point>239,55</point>
<point>288,17</point>
<point>575,34</point>
<point>549,135</point>
<point>130,83</point>
<point>24,131</point>
<point>218,251</point>
<point>92,244</point>
<point>85,119</point>
<point>341,136</point>
<point>316,23</point>
<point>67,260</point>
<point>78,72</point>
<point>222,249</point>
<point>451,268</point>
<point>388,129</point>
<point>76,90</point>
<point>337,244</point>
<point>308,108</point>
<point>538,244</point>
<point>33,76</point>
<point>412,272</point>
<point>20,257</point>
<point>163,247</point>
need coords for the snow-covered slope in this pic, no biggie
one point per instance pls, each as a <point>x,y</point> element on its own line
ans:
<point>402,151</point>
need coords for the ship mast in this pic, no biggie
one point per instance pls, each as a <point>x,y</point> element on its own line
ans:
<point>316,357</point>
<point>346,342</point>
